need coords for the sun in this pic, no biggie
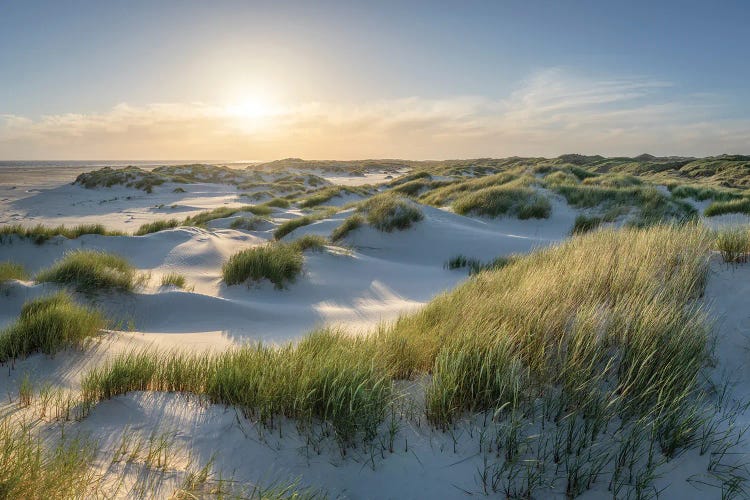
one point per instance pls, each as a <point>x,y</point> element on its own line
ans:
<point>251,108</point>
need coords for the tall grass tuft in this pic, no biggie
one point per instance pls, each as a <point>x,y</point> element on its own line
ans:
<point>617,313</point>
<point>49,324</point>
<point>509,199</point>
<point>29,469</point>
<point>12,271</point>
<point>40,233</point>
<point>733,243</point>
<point>91,271</point>
<point>327,376</point>
<point>156,226</point>
<point>741,206</point>
<point>350,224</point>
<point>585,223</point>
<point>174,279</point>
<point>388,211</point>
<point>279,263</point>
<point>312,242</point>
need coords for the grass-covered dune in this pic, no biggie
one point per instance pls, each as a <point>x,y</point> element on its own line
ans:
<point>590,352</point>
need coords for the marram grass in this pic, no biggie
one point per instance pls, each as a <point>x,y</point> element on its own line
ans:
<point>49,324</point>
<point>91,271</point>
<point>279,263</point>
<point>12,271</point>
<point>602,326</point>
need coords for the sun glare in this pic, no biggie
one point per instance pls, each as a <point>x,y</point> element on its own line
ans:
<point>251,108</point>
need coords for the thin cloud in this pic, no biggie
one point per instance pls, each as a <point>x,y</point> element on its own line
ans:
<point>552,112</point>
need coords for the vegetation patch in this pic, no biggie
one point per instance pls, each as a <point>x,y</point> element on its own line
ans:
<point>248,223</point>
<point>12,271</point>
<point>585,223</point>
<point>312,242</point>
<point>201,219</point>
<point>156,226</point>
<point>28,469</point>
<point>49,324</point>
<point>174,279</point>
<point>733,243</point>
<point>279,263</point>
<point>92,271</point>
<point>40,234</point>
<point>288,226</point>
<point>475,265</point>
<point>278,203</point>
<point>326,376</point>
<point>702,193</point>
<point>387,212</point>
<point>350,224</point>
<point>521,202</point>
<point>740,206</point>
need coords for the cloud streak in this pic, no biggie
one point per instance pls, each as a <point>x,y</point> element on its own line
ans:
<point>548,114</point>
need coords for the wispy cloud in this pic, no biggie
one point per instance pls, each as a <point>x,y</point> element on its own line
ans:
<point>552,112</point>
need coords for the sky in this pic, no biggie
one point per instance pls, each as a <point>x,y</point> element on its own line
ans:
<point>231,80</point>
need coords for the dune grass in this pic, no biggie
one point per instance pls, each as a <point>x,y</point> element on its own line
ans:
<point>278,203</point>
<point>445,195</point>
<point>40,233</point>
<point>279,263</point>
<point>327,376</point>
<point>49,324</point>
<point>388,211</point>
<point>201,219</point>
<point>522,202</point>
<point>91,271</point>
<point>290,225</point>
<point>248,223</point>
<point>702,193</point>
<point>29,469</point>
<point>733,243</point>
<point>312,242</point>
<point>475,265</point>
<point>738,206</point>
<point>573,346</point>
<point>585,223</point>
<point>173,279</point>
<point>350,224</point>
<point>12,271</point>
<point>625,322</point>
<point>156,226</point>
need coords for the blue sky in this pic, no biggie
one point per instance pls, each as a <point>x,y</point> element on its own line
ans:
<point>412,79</point>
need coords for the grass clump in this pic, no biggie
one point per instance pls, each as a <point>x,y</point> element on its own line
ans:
<point>29,469</point>
<point>733,244</point>
<point>278,203</point>
<point>248,223</point>
<point>49,324</point>
<point>350,224</point>
<point>312,242</point>
<point>173,279</point>
<point>156,226</point>
<point>626,323</point>
<point>702,193</point>
<point>279,263</point>
<point>201,219</point>
<point>522,202</point>
<point>12,271</point>
<point>40,233</point>
<point>740,206</point>
<point>585,223</point>
<point>91,271</point>
<point>475,265</point>
<point>292,224</point>
<point>387,212</point>
<point>327,377</point>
